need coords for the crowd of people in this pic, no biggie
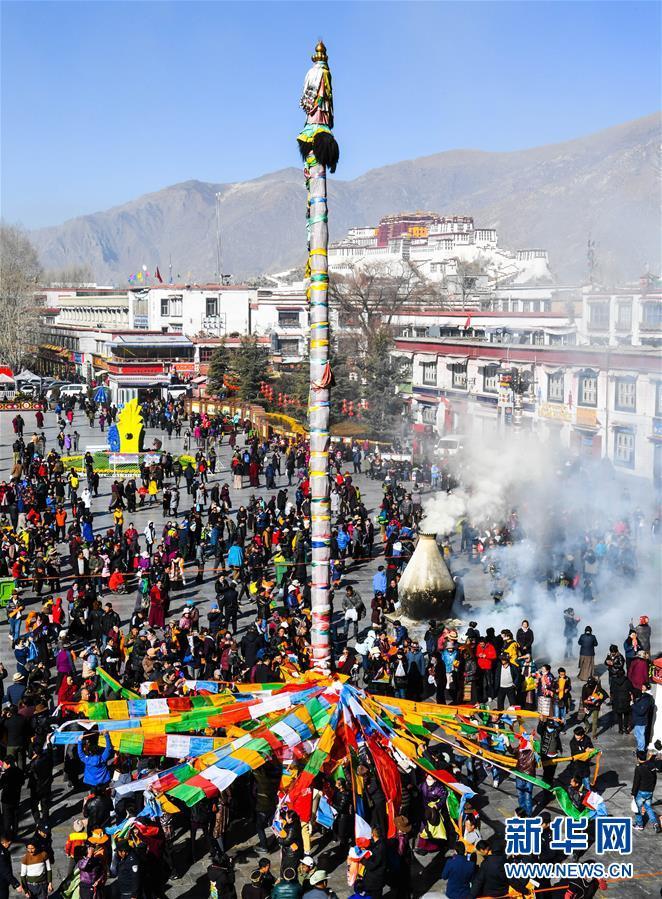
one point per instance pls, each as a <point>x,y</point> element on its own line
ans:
<point>70,645</point>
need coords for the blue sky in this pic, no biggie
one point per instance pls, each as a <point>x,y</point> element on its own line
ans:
<point>104,101</point>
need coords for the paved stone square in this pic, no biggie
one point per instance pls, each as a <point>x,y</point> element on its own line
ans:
<point>617,760</point>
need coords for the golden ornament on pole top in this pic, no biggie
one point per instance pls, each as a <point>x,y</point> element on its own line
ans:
<point>320,53</point>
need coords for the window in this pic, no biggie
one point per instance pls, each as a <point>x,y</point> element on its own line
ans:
<point>491,379</point>
<point>588,390</point>
<point>624,448</point>
<point>175,306</point>
<point>289,347</point>
<point>407,369</point>
<point>555,387</point>
<point>211,306</point>
<point>429,372</point>
<point>288,319</point>
<point>460,375</point>
<point>429,415</point>
<point>652,315</point>
<point>626,395</point>
<point>658,399</point>
<point>599,315</point>
<point>165,306</point>
<point>624,316</point>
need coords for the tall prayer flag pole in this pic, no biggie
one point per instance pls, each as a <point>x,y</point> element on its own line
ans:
<point>319,151</point>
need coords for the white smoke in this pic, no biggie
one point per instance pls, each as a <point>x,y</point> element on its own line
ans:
<point>442,512</point>
<point>556,503</point>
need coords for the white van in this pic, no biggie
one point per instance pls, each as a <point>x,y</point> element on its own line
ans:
<point>67,391</point>
<point>450,446</point>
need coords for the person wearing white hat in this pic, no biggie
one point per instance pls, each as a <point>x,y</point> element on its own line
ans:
<point>318,887</point>
<point>306,870</point>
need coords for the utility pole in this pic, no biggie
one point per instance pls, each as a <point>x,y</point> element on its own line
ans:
<point>319,151</point>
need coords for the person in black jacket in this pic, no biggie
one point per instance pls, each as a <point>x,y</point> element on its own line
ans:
<point>549,731</point>
<point>128,872</point>
<point>621,691</point>
<point>221,873</point>
<point>291,841</point>
<point>374,874</point>
<point>491,879</point>
<point>344,822</point>
<point>581,742</point>
<point>524,637</point>
<point>251,643</point>
<point>7,878</point>
<point>11,783</point>
<point>643,787</point>
<point>98,808</point>
<point>40,783</point>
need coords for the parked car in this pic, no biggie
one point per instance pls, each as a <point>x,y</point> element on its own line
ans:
<point>450,446</point>
<point>65,390</point>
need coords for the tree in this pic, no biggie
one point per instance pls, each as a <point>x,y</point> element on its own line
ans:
<point>76,276</point>
<point>250,366</point>
<point>347,385</point>
<point>219,366</point>
<point>383,372</point>
<point>295,384</point>
<point>19,307</point>
<point>369,297</point>
<point>463,283</point>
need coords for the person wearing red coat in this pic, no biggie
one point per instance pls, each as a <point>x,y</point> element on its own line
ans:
<point>486,659</point>
<point>156,610</point>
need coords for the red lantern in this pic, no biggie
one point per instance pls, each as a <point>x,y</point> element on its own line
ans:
<point>344,407</point>
<point>351,408</point>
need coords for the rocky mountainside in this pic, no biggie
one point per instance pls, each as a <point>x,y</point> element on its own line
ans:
<point>606,184</point>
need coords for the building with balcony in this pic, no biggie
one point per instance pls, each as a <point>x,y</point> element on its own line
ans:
<point>596,401</point>
<point>623,317</point>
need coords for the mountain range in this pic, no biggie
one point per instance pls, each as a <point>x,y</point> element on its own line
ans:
<point>605,185</point>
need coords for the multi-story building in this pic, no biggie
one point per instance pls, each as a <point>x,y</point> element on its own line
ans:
<point>213,311</point>
<point>624,316</point>
<point>448,249</point>
<point>148,331</point>
<point>597,401</point>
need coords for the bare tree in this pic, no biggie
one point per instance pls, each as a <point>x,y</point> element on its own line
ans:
<point>369,297</point>
<point>19,308</point>
<point>462,284</point>
<point>76,276</point>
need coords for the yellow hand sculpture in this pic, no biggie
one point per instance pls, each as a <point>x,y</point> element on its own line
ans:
<point>131,428</point>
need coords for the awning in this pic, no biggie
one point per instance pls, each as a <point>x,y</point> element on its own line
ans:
<point>488,363</point>
<point>426,357</point>
<point>139,380</point>
<point>27,375</point>
<point>199,380</point>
